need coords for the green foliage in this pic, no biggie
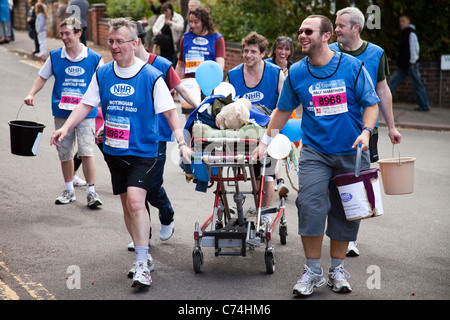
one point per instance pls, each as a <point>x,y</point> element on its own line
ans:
<point>135,9</point>
<point>236,18</point>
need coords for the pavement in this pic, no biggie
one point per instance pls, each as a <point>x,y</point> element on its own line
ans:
<point>438,119</point>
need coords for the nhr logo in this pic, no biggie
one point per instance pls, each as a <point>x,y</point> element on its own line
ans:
<point>74,71</point>
<point>122,90</point>
<point>254,96</point>
<point>199,41</point>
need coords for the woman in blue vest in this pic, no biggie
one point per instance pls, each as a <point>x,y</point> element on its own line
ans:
<point>201,43</point>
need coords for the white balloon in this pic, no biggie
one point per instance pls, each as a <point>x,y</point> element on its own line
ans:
<point>192,85</point>
<point>280,147</point>
<point>225,88</point>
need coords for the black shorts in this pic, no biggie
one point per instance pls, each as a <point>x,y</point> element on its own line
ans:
<point>129,171</point>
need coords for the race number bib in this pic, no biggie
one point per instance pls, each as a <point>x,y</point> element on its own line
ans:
<point>69,100</point>
<point>117,132</point>
<point>329,98</point>
<point>192,62</point>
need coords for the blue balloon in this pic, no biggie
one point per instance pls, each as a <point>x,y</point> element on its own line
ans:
<point>209,75</point>
<point>293,130</point>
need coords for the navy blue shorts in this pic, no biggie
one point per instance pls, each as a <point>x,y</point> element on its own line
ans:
<point>129,171</point>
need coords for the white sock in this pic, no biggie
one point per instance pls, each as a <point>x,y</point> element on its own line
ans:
<point>69,186</point>
<point>90,188</point>
<point>141,253</point>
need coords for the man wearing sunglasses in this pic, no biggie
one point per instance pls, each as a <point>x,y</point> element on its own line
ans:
<point>349,25</point>
<point>131,94</point>
<point>332,88</point>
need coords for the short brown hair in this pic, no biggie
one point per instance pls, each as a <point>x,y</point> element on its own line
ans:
<point>257,40</point>
<point>74,23</point>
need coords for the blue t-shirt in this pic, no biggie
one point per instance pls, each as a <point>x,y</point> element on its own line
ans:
<point>265,93</point>
<point>332,97</point>
<point>131,125</point>
<point>371,57</point>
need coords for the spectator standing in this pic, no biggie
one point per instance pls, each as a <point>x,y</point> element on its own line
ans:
<point>408,63</point>
<point>31,20</point>
<point>5,31</point>
<point>41,29</point>
<point>167,31</point>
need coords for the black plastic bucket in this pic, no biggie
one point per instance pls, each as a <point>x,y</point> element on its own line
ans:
<point>25,137</point>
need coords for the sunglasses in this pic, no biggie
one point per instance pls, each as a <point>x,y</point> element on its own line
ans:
<point>307,32</point>
<point>284,38</point>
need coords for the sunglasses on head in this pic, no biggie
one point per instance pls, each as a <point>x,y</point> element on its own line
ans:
<point>307,32</point>
<point>284,38</point>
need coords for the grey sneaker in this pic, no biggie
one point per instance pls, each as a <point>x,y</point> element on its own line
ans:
<point>66,197</point>
<point>93,200</point>
<point>336,279</point>
<point>166,231</point>
<point>150,265</point>
<point>308,281</point>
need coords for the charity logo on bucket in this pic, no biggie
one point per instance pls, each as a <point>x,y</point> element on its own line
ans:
<point>346,197</point>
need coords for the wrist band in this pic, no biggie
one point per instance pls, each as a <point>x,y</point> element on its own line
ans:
<point>181,144</point>
<point>266,139</point>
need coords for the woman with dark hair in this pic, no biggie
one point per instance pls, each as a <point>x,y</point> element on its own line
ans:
<point>200,44</point>
<point>281,52</point>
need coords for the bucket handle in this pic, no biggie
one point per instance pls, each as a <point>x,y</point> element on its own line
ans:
<point>35,113</point>
<point>358,160</point>
<point>398,148</point>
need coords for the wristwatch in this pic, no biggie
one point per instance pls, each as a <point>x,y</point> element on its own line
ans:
<point>181,144</point>
<point>368,129</point>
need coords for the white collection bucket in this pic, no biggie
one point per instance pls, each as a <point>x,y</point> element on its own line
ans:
<point>397,174</point>
<point>360,192</point>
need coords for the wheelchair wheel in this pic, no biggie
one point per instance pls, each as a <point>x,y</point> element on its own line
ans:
<point>270,262</point>
<point>197,259</point>
<point>283,234</point>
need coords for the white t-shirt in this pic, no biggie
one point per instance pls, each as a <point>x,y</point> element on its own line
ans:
<point>161,95</point>
<point>46,70</point>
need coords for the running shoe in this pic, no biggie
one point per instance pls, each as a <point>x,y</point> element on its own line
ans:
<point>166,231</point>
<point>93,200</point>
<point>150,265</point>
<point>352,250</point>
<point>77,182</point>
<point>66,197</point>
<point>337,280</point>
<point>141,277</point>
<point>309,280</point>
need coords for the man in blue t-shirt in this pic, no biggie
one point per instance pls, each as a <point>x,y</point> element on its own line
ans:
<point>332,88</point>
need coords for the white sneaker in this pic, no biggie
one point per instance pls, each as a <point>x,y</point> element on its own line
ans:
<point>93,200</point>
<point>66,197</point>
<point>336,279</point>
<point>166,231</point>
<point>150,265</point>
<point>309,280</point>
<point>77,182</point>
<point>141,277</point>
<point>352,250</point>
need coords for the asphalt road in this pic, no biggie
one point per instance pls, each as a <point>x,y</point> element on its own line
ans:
<point>71,252</point>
